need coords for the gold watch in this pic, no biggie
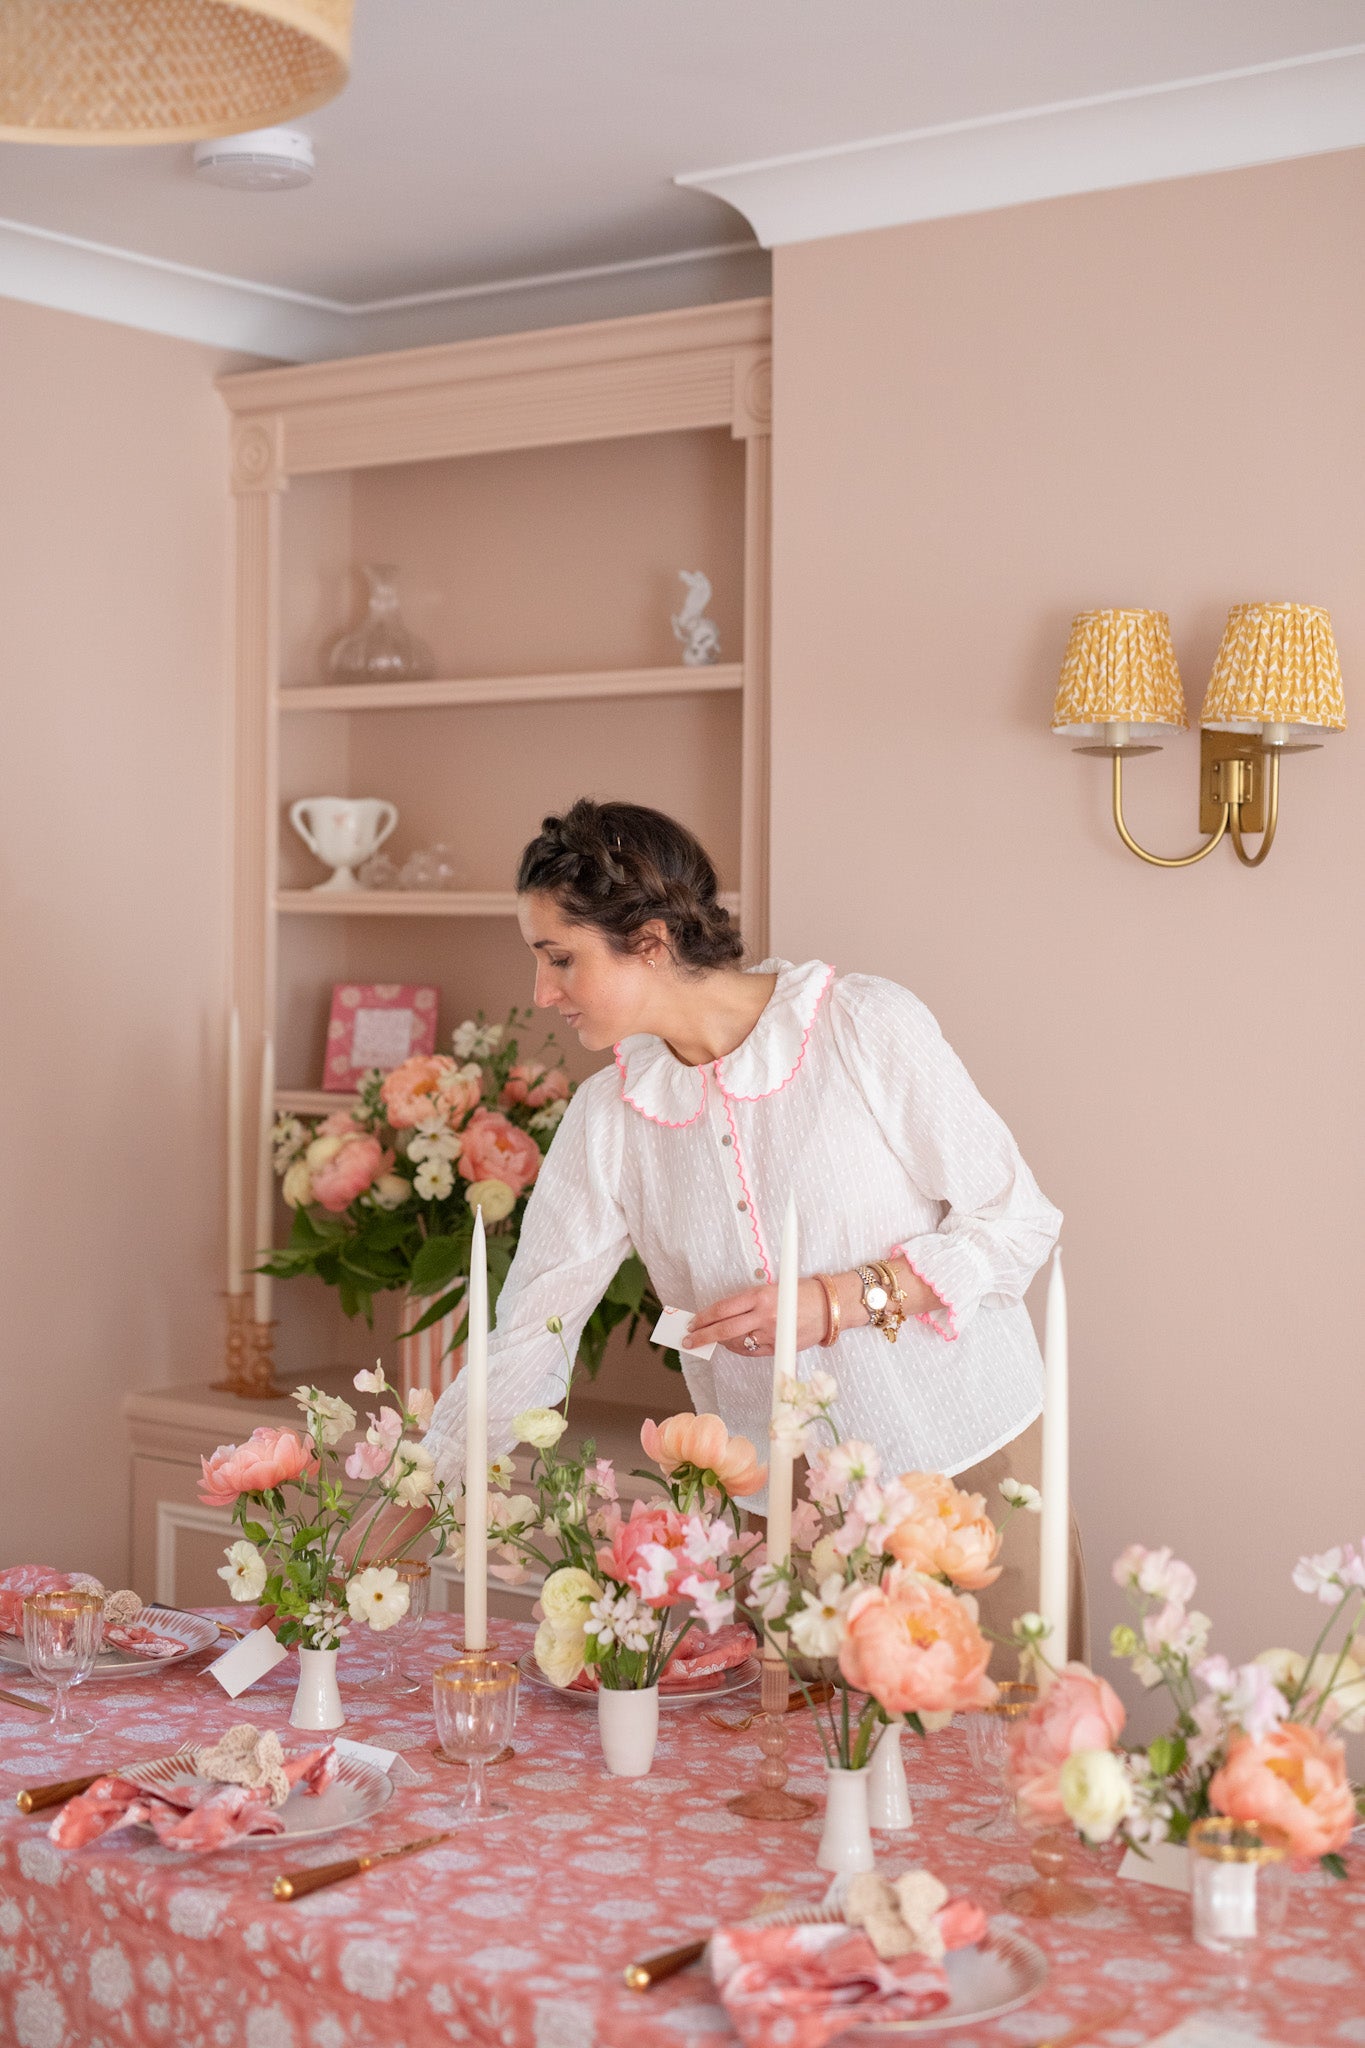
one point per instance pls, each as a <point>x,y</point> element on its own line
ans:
<point>882,1298</point>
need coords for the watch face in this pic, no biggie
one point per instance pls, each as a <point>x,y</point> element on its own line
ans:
<point>876,1298</point>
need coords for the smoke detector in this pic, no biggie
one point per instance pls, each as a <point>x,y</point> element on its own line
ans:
<point>264,160</point>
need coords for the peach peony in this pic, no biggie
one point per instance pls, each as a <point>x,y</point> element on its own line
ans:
<point>1078,1711</point>
<point>534,1085</point>
<point>269,1457</point>
<point>494,1149</point>
<point>621,1560</point>
<point>357,1166</point>
<point>702,1440</point>
<point>916,1647</point>
<point>1295,1780</point>
<point>428,1085</point>
<point>948,1533</point>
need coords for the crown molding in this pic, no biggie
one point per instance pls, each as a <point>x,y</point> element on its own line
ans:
<point>1303,106</point>
<point>108,283</point>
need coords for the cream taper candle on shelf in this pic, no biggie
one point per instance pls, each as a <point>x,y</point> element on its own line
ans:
<point>784,1367</point>
<point>1054,1575</point>
<point>265,1179</point>
<point>235,1282</point>
<point>476,1448</point>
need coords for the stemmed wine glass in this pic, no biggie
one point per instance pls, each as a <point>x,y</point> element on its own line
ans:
<point>416,1576</point>
<point>476,1710</point>
<point>988,1739</point>
<point>63,1632</point>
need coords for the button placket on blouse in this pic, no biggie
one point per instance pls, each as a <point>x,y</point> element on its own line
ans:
<point>739,1191</point>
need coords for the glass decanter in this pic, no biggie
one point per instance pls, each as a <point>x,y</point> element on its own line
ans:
<point>382,650</point>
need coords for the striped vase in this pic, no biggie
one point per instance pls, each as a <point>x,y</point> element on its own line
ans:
<point>427,1360</point>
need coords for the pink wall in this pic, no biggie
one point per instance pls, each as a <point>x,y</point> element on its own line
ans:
<point>1148,397</point>
<point>113,820</point>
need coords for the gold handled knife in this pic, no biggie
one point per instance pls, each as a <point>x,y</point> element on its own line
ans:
<point>34,1798</point>
<point>17,1699</point>
<point>296,1884</point>
<point>653,1970</point>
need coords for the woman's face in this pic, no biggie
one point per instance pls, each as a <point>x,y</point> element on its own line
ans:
<point>601,994</point>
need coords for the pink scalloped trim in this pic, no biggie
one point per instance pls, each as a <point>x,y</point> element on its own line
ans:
<point>744,1179</point>
<point>682,1123</point>
<point>949,1336</point>
<point>800,1057</point>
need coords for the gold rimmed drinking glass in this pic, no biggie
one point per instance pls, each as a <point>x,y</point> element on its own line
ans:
<point>476,1710</point>
<point>988,1739</point>
<point>1239,1893</point>
<point>62,1637</point>
<point>416,1576</point>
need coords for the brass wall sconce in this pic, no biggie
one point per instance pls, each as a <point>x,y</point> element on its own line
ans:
<point>1276,682</point>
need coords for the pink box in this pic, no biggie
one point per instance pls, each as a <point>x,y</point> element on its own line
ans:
<point>376,1024</point>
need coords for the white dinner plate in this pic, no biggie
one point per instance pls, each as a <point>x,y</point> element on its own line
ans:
<point>356,1794</point>
<point>737,1679</point>
<point>1001,1973</point>
<point>192,1631</point>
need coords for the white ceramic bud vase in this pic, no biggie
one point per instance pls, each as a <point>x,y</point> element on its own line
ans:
<point>888,1795</point>
<point>628,1727</point>
<point>317,1702</point>
<point>846,1844</point>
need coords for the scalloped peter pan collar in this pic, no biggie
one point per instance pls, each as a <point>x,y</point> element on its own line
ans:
<point>659,1086</point>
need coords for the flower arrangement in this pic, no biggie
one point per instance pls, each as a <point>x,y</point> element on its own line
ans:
<point>622,1592</point>
<point>284,1488</point>
<point>1259,1742</point>
<point>879,1591</point>
<point>384,1194</point>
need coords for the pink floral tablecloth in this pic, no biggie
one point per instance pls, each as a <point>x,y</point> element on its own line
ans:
<point>516,1935</point>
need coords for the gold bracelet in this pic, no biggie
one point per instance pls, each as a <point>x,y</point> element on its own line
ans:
<point>831,1335</point>
<point>893,1315</point>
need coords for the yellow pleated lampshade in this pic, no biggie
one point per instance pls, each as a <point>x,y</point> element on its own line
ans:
<point>1277,665</point>
<point>1120,668</point>
<point>88,71</point>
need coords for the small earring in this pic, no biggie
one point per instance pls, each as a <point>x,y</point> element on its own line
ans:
<point>653,963</point>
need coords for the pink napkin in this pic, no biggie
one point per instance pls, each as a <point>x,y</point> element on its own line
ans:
<point>198,1815</point>
<point>797,1987</point>
<point>17,1581</point>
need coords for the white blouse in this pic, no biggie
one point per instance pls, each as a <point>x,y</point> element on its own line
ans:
<point>846,1096</point>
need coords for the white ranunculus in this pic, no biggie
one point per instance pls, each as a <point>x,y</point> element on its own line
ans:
<point>244,1572</point>
<point>391,1190</point>
<point>377,1596</point>
<point>560,1657</point>
<point>494,1197</point>
<point>1095,1791</point>
<point>539,1427</point>
<point>435,1179</point>
<point>416,1475</point>
<point>297,1185</point>
<point>567,1595</point>
<point>322,1149</point>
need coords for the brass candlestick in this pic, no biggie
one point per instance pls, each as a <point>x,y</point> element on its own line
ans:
<point>767,1800</point>
<point>250,1355</point>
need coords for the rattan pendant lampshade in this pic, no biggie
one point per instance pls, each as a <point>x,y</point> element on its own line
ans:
<point>91,71</point>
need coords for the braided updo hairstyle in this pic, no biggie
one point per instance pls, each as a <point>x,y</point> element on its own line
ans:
<point>618,867</point>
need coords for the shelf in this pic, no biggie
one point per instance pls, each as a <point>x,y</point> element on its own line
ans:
<point>558,689</point>
<point>397,902</point>
<point>311,1101</point>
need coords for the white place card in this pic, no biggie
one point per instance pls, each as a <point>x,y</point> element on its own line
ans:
<point>247,1661</point>
<point>1164,1863</point>
<point>671,1329</point>
<point>397,1767</point>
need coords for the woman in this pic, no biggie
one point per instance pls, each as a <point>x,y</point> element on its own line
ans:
<point>730,1090</point>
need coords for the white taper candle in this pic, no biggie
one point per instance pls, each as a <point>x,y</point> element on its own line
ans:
<point>476,1447</point>
<point>784,1367</point>
<point>1054,1546</point>
<point>235,1282</point>
<point>265,1180</point>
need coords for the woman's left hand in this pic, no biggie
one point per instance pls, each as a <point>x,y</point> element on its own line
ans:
<point>752,1315</point>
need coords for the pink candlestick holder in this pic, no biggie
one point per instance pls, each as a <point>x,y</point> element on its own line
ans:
<point>768,1801</point>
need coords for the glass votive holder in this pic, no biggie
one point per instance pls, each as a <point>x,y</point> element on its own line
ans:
<point>1239,1887</point>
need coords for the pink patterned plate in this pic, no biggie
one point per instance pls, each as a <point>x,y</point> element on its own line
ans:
<point>189,1632</point>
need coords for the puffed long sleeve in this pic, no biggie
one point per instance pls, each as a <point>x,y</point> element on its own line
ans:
<point>997,1227</point>
<point>573,1238</point>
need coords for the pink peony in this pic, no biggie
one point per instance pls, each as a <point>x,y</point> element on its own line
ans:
<point>1295,1780</point>
<point>426,1086</point>
<point>947,1533</point>
<point>703,1441</point>
<point>623,1559</point>
<point>340,1124</point>
<point>494,1149</point>
<point>357,1166</point>
<point>1078,1711</point>
<point>916,1647</point>
<point>534,1085</point>
<point>269,1457</point>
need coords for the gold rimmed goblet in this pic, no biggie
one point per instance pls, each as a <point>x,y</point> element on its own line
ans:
<point>475,1699</point>
<point>988,1740</point>
<point>63,1632</point>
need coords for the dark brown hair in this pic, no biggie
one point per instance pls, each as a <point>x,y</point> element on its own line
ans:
<point>617,867</point>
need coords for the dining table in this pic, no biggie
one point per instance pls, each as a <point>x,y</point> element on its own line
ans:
<point>515,1932</point>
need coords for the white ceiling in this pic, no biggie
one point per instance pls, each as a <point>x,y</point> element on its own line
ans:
<point>482,143</point>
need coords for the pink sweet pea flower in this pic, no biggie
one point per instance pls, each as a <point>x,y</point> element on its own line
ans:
<point>714,1605</point>
<point>653,1572</point>
<point>370,1459</point>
